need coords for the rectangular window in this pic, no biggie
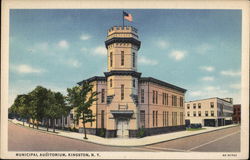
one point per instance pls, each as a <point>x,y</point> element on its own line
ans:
<point>103,96</point>
<point>102,119</point>
<point>122,91</point>
<point>163,98</point>
<point>153,118</point>
<point>188,106</point>
<point>167,98</point>
<point>212,113</point>
<point>122,58</point>
<point>156,97</point>
<point>212,104</point>
<point>142,118</point>
<point>194,106</point>
<point>142,95</point>
<point>174,100</point>
<point>110,82</point>
<point>206,113</point>
<point>133,59</point>
<point>134,83</point>
<point>194,113</point>
<point>153,96</point>
<point>188,113</point>
<point>174,118</point>
<point>163,118</point>
<point>199,113</point>
<point>166,119</point>
<point>199,105</point>
<point>111,59</point>
<point>181,101</point>
<point>156,118</point>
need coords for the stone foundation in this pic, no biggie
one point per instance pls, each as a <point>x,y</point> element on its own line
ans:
<point>110,133</point>
<point>162,130</point>
<point>88,131</point>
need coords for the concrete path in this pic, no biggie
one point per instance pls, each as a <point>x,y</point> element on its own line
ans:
<point>131,141</point>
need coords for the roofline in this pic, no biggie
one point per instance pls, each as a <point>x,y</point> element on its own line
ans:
<point>159,82</point>
<point>207,99</point>
<point>94,78</point>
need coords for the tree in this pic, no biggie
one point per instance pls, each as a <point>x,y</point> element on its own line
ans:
<point>82,98</point>
<point>39,103</point>
<point>59,107</point>
<point>21,106</point>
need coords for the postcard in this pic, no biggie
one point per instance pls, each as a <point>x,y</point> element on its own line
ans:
<point>112,79</point>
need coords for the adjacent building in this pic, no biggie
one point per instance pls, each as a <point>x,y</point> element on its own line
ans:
<point>236,114</point>
<point>128,101</point>
<point>209,112</point>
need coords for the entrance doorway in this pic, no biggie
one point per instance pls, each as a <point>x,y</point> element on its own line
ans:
<point>122,128</point>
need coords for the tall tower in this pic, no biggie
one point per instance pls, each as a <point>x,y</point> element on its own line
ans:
<point>122,45</point>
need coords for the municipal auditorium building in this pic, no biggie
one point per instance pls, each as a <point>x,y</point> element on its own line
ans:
<point>128,101</point>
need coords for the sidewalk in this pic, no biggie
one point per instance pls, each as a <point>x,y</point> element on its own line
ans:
<point>131,141</point>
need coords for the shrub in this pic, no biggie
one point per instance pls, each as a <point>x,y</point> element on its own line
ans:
<point>141,132</point>
<point>101,132</point>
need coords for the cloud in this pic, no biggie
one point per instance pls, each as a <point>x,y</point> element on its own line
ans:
<point>162,44</point>
<point>207,68</point>
<point>43,46</point>
<point>146,61</point>
<point>85,37</point>
<point>203,48</point>
<point>208,78</point>
<point>235,86</point>
<point>100,50</point>
<point>26,69</point>
<point>208,92</point>
<point>230,73</point>
<point>74,63</point>
<point>63,44</point>
<point>83,49</point>
<point>213,91</point>
<point>177,55</point>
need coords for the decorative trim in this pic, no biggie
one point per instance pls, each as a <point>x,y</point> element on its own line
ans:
<point>123,73</point>
<point>123,40</point>
<point>162,83</point>
<point>110,98</point>
<point>91,79</point>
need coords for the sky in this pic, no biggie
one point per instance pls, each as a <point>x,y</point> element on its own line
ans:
<point>199,50</point>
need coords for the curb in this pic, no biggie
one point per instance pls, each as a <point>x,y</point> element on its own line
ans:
<point>39,130</point>
<point>190,135</point>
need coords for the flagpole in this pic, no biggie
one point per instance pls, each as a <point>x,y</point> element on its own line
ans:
<point>123,19</point>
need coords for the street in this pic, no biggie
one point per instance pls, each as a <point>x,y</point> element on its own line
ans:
<point>25,139</point>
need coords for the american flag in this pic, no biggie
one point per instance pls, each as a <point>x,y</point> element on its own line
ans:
<point>127,16</point>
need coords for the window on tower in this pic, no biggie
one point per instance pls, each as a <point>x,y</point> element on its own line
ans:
<point>133,59</point>
<point>122,91</point>
<point>110,82</point>
<point>122,58</point>
<point>111,59</point>
<point>134,83</point>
